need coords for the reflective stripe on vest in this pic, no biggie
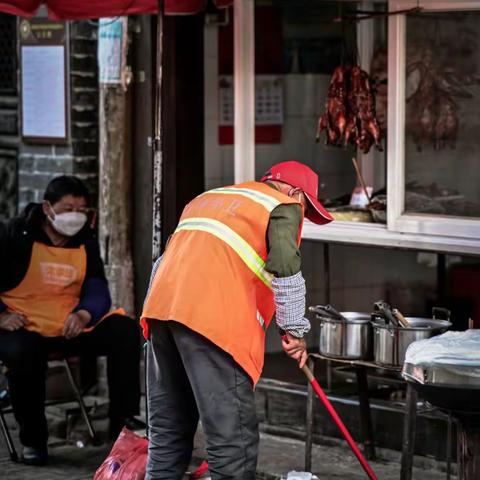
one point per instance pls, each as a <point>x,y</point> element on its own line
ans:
<point>261,321</point>
<point>249,256</point>
<point>266,200</point>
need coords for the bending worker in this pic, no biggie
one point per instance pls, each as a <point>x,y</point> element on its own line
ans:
<point>53,296</point>
<point>231,263</point>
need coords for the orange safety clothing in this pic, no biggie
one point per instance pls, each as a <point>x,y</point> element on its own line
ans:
<point>212,277</point>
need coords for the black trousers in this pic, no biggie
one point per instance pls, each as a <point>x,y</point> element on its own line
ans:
<point>191,378</point>
<point>25,355</point>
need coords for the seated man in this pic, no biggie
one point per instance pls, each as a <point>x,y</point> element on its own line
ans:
<point>53,297</point>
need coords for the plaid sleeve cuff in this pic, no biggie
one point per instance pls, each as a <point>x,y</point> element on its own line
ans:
<point>289,296</point>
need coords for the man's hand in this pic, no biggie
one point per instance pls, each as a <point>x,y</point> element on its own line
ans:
<point>75,324</point>
<point>295,348</point>
<point>12,321</point>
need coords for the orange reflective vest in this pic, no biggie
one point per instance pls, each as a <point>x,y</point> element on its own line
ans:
<point>212,277</point>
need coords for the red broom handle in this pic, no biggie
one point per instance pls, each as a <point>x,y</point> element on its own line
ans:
<point>321,394</point>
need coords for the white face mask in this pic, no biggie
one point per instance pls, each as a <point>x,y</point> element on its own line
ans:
<point>68,223</point>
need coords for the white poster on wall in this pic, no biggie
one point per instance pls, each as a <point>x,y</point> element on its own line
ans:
<point>112,57</point>
<point>43,91</point>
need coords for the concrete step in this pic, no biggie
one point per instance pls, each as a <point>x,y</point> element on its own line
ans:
<point>281,407</point>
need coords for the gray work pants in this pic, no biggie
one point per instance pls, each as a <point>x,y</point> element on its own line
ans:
<point>190,377</point>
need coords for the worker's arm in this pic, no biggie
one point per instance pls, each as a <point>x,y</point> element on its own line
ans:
<point>284,262</point>
<point>284,258</point>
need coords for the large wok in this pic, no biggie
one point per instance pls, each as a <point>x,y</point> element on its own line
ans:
<point>459,398</point>
<point>449,376</point>
<point>446,373</point>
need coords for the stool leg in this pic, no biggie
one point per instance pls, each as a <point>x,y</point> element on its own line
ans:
<point>80,401</point>
<point>8,438</point>
<point>409,425</point>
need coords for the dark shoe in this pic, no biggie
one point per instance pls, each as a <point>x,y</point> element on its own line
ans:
<point>35,456</point>
<point>132,423</point>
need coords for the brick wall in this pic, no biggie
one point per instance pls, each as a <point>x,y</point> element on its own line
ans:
<point>38,164</point>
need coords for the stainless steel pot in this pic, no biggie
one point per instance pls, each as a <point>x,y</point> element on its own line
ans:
<point>390,343</point>
<point>350,339</point>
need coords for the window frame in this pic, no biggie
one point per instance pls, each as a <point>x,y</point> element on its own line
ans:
<point>421,232</point>
<point>397,219</point>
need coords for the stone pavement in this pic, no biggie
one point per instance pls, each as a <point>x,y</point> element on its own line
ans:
<point>68,462</point>
<point>278,455</point>
<point>334,461</point>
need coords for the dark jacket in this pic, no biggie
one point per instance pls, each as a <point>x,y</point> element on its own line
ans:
<point>16,242</point>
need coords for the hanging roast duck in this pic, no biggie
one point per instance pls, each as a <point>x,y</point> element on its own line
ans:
<point>349,116</point>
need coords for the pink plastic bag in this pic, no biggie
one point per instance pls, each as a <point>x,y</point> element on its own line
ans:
<point>127,459</point>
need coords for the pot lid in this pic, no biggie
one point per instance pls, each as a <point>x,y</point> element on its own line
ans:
<point>417,323</point>
<point>352,317</point>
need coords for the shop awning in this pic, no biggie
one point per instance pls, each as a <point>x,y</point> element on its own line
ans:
<point>76,10</point>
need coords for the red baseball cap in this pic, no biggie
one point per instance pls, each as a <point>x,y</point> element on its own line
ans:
<point>300,176</point>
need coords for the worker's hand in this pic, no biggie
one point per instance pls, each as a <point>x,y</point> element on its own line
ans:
<point>295,348</point>
<point>75,323</point>
<point>12,321</point>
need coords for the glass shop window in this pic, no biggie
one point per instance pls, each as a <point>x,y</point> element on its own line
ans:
<point>321,97</point>
<point>442,114</point>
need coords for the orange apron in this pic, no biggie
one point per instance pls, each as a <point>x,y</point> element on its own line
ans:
<point>51,288</point>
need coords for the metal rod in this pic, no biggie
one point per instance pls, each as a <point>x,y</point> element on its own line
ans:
<point>310,427</point>
<point>8,438</point>
<point>409,426</point>
<point>449,444</point>
<point>353,363</point>
<point>157,141</point>
<point>80,401</point>
<point>365,413</point>
<point>326,267</point>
